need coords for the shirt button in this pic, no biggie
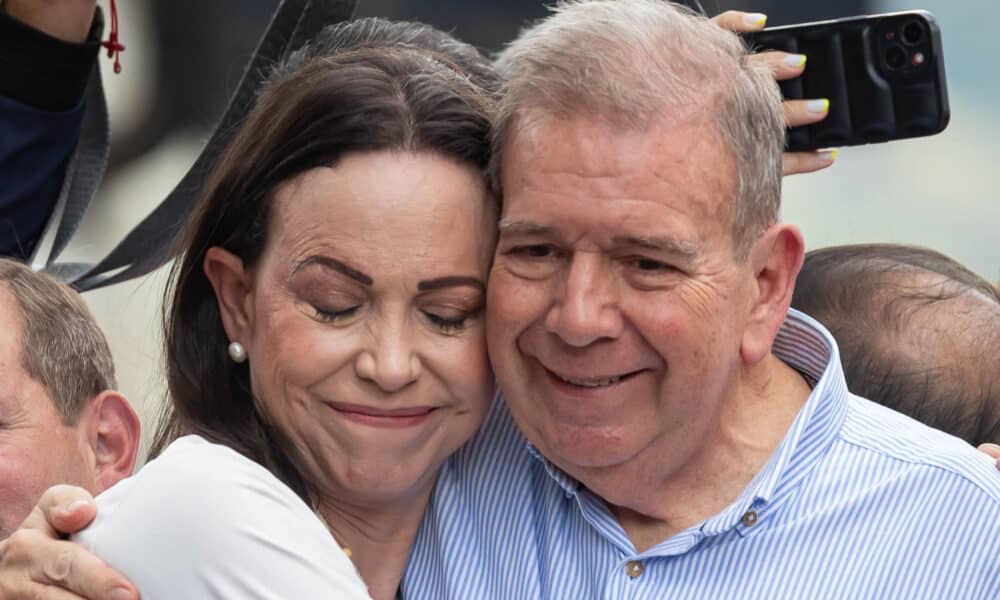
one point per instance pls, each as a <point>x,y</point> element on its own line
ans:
<point>634,569</point>
<point>750,518</point>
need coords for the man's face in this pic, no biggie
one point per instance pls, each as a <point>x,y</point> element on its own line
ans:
<point>615,306</point>
<point>36,449</point>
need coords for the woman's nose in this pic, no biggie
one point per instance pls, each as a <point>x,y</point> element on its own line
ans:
<point>390,363</point>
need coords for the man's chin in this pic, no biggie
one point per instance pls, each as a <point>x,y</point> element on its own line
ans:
<point>585,450</point>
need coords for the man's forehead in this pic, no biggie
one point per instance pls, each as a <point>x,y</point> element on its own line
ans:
<point>11,321</point>
<point>593,146</point>
<point>684,167</point>
<point>609,122</point>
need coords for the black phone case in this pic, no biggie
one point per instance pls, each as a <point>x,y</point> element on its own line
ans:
<point>883,74</point>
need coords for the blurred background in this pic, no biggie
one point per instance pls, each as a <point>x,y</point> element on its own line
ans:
<point>184,58</point>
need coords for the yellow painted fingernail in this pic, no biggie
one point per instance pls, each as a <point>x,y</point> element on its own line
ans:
<point>755,19</point>
<point>818,106</point>
<point>830,155</point>
<point>795,61</point>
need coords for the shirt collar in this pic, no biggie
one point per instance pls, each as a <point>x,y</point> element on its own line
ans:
<point>805,345</point>
<point>568,484</point>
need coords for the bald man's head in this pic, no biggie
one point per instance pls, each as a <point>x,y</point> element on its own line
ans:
<point>917,332</point>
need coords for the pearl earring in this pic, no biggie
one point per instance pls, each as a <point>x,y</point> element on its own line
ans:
<point>237,352</point>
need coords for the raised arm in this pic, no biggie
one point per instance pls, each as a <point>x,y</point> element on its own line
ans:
<point>47,51</point>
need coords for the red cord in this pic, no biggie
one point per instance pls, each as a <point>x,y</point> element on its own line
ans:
<point>113,46</point>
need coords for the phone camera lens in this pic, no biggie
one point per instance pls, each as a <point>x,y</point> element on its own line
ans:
<point>896,57</point>
<point>913,33</point>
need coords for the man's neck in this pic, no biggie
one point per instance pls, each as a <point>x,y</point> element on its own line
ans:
<point>750,427</point>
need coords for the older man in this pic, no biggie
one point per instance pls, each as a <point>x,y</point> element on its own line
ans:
<point>679,433</point>
<point>60,419</point>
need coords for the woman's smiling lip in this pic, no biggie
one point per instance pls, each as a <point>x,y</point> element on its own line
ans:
<point>381,417</point>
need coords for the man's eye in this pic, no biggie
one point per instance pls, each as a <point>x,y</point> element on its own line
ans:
<point>534,251</point>
<point>650,265</point>
<point>331,316</point>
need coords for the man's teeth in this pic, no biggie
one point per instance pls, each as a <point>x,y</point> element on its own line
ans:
<point>591,382</point>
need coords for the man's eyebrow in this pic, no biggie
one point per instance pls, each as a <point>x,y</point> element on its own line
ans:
<point>660,244</point>
<point>452,281</point>
<point>511,227</point>
<point>336,265</point>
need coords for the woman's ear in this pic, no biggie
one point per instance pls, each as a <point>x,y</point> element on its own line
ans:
<point>775,259</point>
<point>233,291</point>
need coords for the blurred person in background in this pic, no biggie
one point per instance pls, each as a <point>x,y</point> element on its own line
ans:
<point>61,420</point>
<point>48,50</point>
<point>917,331</point>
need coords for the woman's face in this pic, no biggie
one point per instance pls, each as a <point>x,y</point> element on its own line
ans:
<point>365,321</point>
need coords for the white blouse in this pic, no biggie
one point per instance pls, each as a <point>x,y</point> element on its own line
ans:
<point>203,521</point>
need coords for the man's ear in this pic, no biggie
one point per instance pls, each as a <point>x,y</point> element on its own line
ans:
<point>776,259</point>
<point>233,291</point>
<point>112,431</point>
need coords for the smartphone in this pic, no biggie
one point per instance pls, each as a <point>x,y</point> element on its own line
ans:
<point>883,74</point>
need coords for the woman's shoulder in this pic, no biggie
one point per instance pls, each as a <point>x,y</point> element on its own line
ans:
<point>195,473</point>
<point>204,520</point>
<point>193,467</point>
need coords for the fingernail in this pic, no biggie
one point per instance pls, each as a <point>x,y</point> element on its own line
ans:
<point>818,106</point>
<point>72,506</point>
<point>795,60</point>
<point>829,155</point>
<point>755,19</point>
<point>121,594</point>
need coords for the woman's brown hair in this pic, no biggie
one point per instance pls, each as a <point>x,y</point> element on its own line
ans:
<point>360,86</point>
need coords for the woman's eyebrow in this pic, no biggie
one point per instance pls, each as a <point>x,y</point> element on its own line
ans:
<point>452,281</point>
<point>336,265</point>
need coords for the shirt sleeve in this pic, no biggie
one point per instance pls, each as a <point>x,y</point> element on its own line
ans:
<point>42,85</point>
<point>35,149</point>
<point>202,521</point>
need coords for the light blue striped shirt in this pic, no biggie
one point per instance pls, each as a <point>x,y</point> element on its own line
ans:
<point>857,502</point>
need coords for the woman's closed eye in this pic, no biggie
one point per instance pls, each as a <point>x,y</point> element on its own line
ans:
<point>449,322</point>
<point>331,315</point>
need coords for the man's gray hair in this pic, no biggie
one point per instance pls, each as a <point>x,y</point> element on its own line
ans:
<point>61,345</point>
<point>633,62</point>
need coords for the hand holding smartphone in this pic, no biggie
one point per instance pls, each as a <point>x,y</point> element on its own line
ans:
<point>883,74</point>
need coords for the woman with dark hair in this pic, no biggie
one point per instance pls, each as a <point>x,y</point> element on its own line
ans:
<point>325,346</point>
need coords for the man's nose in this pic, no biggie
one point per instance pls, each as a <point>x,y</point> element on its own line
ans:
<point>390,362</point>
<point>587,309</point>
